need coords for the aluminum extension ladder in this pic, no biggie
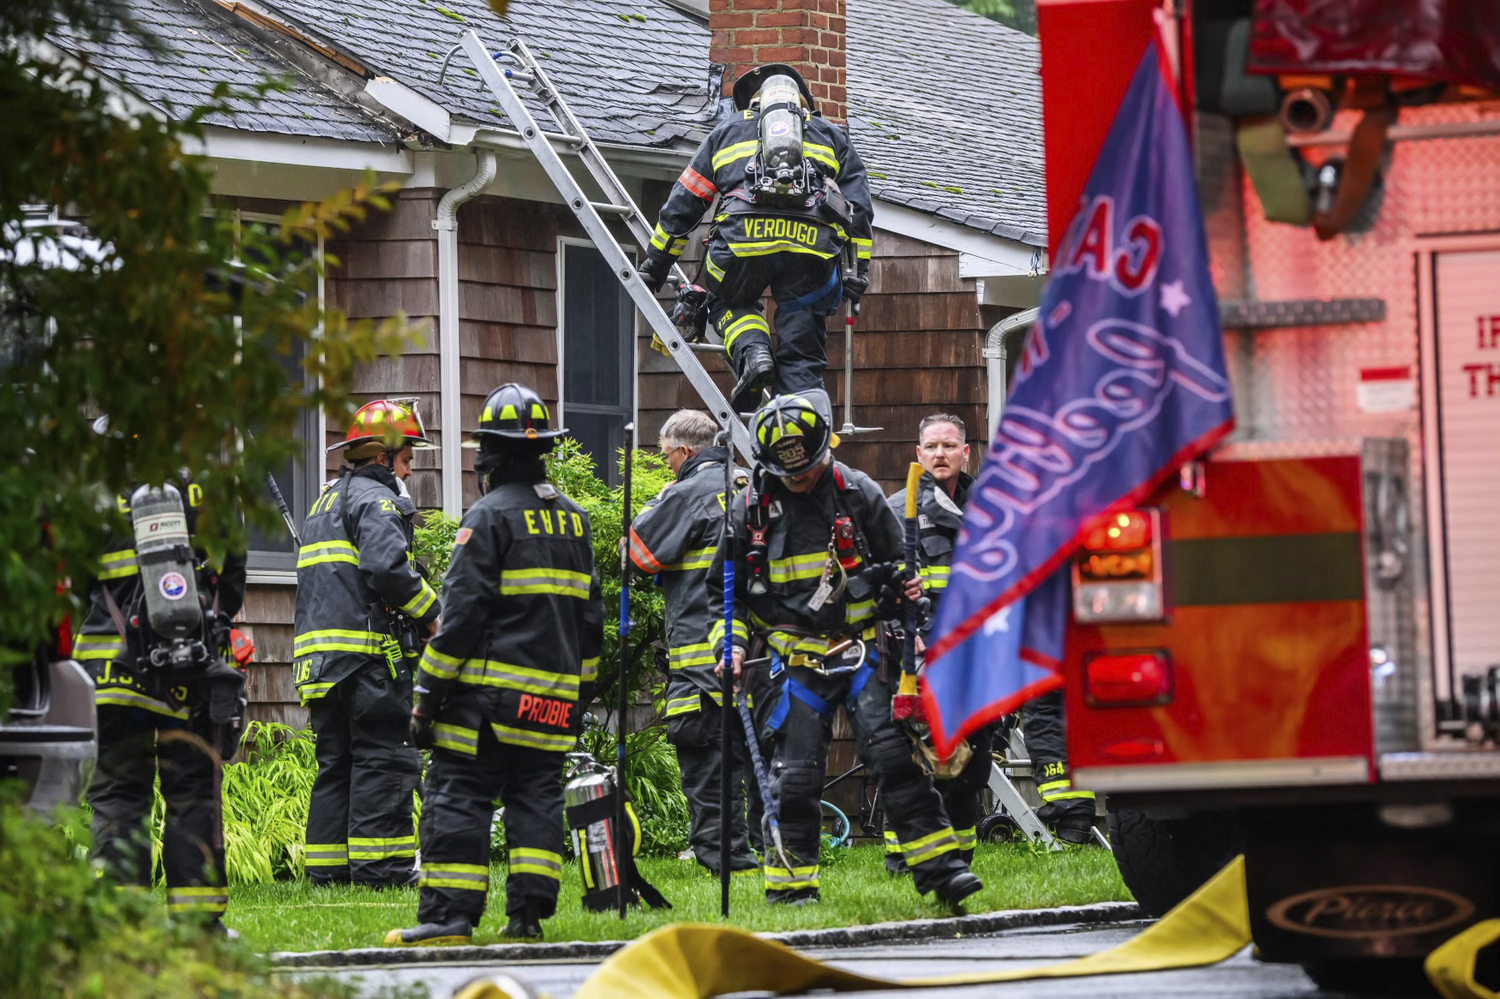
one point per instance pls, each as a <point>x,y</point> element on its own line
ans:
<point>617,204</point>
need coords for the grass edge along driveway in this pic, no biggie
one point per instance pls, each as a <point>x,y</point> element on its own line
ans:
<point>293,916</point>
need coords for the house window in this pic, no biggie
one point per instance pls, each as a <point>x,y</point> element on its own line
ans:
<point>596,333</point>
<point>273,554</point>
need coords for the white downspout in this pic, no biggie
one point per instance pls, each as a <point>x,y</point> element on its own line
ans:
<point>994,362</point>
<point>449,348</point>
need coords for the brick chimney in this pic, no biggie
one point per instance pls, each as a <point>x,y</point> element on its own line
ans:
<point>807,35</point>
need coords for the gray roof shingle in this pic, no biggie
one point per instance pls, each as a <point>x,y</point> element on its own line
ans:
<point>199,52</point>
<point>633,71</point>
<point>945,106</point>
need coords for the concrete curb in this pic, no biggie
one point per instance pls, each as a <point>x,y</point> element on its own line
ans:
<point>838,936</point>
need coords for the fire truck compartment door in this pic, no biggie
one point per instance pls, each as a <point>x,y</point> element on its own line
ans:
<point>1265,634</point>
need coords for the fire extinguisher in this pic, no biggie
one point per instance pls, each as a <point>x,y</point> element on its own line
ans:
<point>591,808</point>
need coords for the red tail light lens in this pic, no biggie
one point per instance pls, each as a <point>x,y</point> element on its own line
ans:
<point>1127,679</point>
<point>1118,531</point>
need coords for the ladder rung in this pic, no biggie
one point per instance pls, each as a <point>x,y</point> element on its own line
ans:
<point>706,348</point>
<point>605,208</point>
<point>518,75</point>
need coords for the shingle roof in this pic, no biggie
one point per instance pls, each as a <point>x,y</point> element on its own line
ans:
<point>200,52</point>
<point>944,104</point>
<point>947,106</point>
<point>634,71</point>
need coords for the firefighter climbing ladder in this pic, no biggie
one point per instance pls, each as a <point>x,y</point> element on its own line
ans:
<point>617,204</point>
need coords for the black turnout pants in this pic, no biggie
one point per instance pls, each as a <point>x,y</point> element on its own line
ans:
<point>697,738</point>
<point>803,728</point>
<point>457,808</point>
<point>359,822</point>
<point>135,744</point>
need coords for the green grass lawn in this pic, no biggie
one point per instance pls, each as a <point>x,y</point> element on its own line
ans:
<point>291,916</point>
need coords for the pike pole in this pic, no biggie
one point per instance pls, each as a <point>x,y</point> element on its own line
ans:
<point>906,705</point>
<point>622,725</point>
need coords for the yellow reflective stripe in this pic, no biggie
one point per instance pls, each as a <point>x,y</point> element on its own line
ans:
<point>795,567</point>
<point>685,705</point>
<point>737,151</point>
<point>327,551</point>
<point>535,740</point>
<point>196,898</point>
<point>124,697</point>
<point>713,268</point>
<point>562,582</point>
<point>118,565</point>
<point>523,860</point>
<point>488,673</point>
<point>335,640</point>
<point>821,154</point>
<point>966,838</point>
<point>919,851</point>
<point>456,737</point>
<point>702,558</point>
<point>859,610</point>
<point>312,691</point>
<point>382,849</point>
<point>700,654</point>
<point>1066,795</point>
<point>862,247</point>
<point>464,877</point>
<point>589,670</point>
<point>892,844</point>
<point>796,877</point>
<point>422,602</point>
<point>764,248</point>
<point>716,632</point>
<point>440,665</point>
<point>326,855</point>
<point>754,321</point>
<point>661,239</point>
<point>86,647</point>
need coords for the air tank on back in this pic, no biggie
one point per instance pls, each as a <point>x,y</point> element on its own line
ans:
<point>164,552</point>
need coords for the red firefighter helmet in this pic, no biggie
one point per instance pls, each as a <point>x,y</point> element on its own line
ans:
<point>384,425</point>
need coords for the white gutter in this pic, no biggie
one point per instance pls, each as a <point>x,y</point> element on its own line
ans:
<point>994,362</point>
<point>449,345</point>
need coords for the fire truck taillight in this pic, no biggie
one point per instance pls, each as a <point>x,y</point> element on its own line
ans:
<point>1117,572</point>
<point>1127,679</point>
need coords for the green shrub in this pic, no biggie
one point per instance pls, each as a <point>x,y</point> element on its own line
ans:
<point>265,804</point>
<point>433,545</point>
<point>71,934</point>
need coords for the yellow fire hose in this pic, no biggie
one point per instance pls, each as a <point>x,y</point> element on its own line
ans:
<point>697,960</point>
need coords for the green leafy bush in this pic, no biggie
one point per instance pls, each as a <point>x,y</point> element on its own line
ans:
<point>433,545</point>
<point>71,934</point>
<point>265,804</point>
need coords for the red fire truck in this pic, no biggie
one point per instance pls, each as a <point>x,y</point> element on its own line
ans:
<point>1291,653</point>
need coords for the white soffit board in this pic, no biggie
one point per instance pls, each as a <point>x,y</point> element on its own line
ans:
<point>980,255</point>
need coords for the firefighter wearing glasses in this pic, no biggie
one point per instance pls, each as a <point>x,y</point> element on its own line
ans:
<point>675,537</point>
<point>362,611</point>
<point>816,551</point>
<point>503,684</point>
<point>174,717</point>
<point>793,214</point>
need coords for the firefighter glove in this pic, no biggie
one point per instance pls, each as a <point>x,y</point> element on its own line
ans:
<point>654,271</point>
<point>424,709</point>
<point>885,586</point>
<point>854,289</point>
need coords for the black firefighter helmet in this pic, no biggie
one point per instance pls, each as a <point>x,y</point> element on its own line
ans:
<point>791,436</point>
<point>747,86</point>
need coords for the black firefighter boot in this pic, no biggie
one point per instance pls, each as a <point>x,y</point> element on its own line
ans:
<point>757,369</point>
<point>524,924</point>
<point>457,931</point>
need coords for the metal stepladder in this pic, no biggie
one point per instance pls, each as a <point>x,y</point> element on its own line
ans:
<point>1008,797</point>
<point>590,214</point>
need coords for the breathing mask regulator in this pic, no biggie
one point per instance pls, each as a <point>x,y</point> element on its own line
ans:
<point>168,569</point>
<point>779,174</point>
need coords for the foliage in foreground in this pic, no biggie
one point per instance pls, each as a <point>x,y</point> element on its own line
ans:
<point>181,327</point>
<point>292,917</point>
<point>69,934</point>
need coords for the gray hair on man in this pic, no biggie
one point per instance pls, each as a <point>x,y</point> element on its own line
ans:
<point>689,428</point>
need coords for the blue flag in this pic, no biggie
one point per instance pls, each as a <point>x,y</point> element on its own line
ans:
<point>1121,382</point>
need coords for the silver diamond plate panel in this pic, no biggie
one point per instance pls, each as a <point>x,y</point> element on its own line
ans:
<point>1301,383</point>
